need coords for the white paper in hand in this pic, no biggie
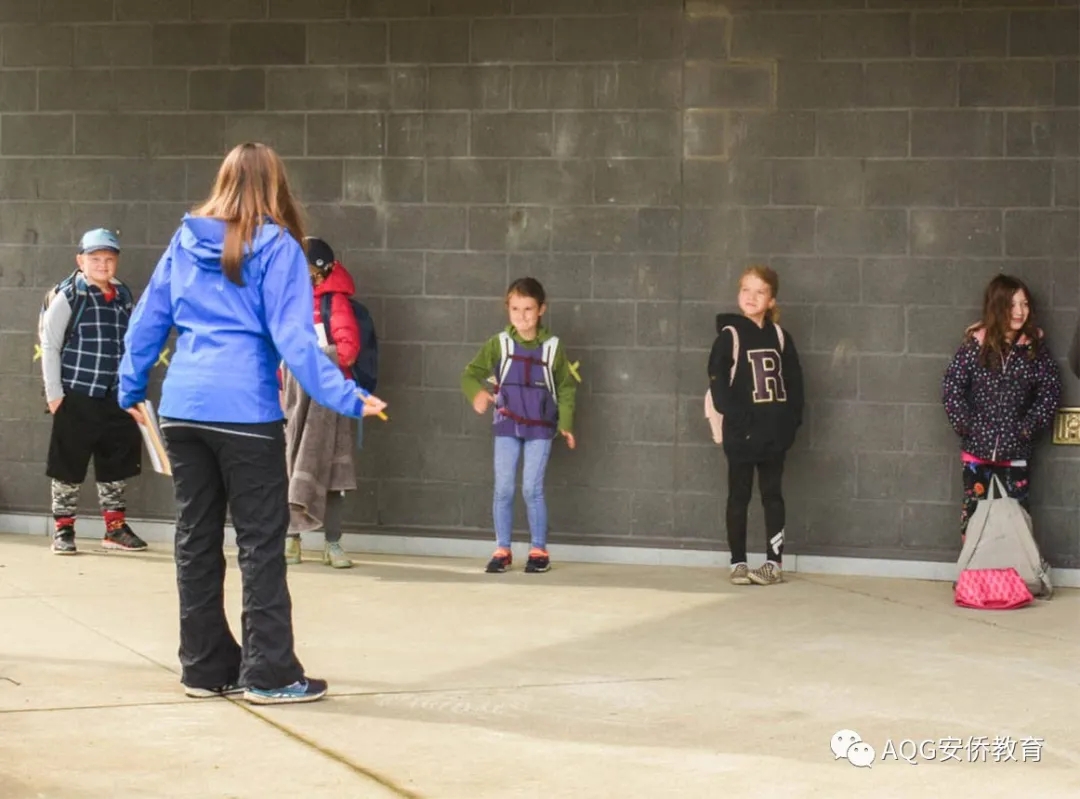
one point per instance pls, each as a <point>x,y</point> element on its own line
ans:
<point>155,443</point>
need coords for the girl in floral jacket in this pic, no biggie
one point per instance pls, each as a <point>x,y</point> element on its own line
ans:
<point>1001,389</point>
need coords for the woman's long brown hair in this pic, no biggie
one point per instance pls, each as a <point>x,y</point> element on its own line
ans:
<point>997,310</point>
<point>250,189</point>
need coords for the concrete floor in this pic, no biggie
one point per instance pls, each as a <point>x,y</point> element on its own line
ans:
<point>589,681</point>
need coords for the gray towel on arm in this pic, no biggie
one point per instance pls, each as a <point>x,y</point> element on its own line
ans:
<point>319,452</point>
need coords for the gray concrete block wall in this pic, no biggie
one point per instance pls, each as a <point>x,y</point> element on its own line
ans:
<point>886,156</point>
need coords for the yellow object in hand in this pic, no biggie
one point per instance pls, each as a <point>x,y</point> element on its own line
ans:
<point>366,397</point>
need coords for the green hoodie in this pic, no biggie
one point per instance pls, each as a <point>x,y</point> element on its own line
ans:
<point>474,378</point>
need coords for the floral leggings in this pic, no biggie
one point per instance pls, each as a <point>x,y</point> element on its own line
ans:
<point>977,478</point>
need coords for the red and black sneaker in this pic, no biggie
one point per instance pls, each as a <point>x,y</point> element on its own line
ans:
<point>538,561</point>
<point>123,538</point>
<point>500,561</point>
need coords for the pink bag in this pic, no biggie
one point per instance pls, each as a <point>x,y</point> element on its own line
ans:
<point>992,589</point>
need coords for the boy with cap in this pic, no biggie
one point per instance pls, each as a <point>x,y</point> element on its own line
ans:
<point>82,341</point>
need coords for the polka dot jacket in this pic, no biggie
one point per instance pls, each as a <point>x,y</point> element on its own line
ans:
<point>998,411</point>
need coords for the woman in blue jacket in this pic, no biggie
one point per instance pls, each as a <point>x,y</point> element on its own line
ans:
<point>234,283</point>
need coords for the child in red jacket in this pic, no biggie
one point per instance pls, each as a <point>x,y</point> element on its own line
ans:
<point>319,443</point>
<point>330,277</point>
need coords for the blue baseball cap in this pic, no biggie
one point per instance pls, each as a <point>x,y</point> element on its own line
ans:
<point>99,239</point>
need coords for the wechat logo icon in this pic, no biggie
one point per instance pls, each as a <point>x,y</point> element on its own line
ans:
<point>849,745</point>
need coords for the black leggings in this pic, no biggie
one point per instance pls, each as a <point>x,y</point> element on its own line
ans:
<point>740,487</point>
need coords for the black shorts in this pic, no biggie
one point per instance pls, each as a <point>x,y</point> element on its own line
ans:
<point>84,428</point>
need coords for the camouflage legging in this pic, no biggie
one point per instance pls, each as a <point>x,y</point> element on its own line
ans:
<point>65,497</point>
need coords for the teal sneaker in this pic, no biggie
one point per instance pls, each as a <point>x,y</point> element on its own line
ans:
<point>308,690</point>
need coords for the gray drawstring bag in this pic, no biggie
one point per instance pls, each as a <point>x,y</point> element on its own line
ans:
<point>1000,536</point>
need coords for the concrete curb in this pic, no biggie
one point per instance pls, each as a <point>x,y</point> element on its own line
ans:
<point>162,532</point>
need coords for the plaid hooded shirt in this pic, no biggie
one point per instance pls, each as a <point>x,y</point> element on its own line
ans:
<point>89,363</point>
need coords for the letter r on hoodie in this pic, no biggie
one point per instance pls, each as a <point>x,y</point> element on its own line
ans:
<point>768,379</point>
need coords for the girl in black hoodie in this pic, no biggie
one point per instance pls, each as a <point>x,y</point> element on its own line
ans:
<point>756,383</point>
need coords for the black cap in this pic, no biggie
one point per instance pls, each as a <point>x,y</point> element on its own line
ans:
<point>319,254</point>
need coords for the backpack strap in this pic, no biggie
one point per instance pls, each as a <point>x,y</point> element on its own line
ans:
<point>780,335</point>
<point>506,350</point>
<point>123,291</point>
<point>734,352</point>
<point>79,298</point>
<point>325,310</point>
<point>548,350</point>
<point>714,417</point>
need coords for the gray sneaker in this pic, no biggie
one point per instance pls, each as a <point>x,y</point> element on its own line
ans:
<point>740,574</point>
<point>292,550</point>
<point>63,542</point>
<point>334,555</point>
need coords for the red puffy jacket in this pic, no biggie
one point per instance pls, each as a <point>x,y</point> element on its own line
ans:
<point>344,332</point>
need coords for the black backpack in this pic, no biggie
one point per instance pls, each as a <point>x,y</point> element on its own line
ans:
<point>365,369</point>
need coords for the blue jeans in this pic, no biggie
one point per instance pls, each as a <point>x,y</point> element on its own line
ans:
<point>507,453</point>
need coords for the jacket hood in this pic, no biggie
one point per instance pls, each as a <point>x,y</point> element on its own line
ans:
<point>978,333</point>
<point>203,238</point>
<point>736,320</point>
<point>542,334</point>
<point>339,281</point>
<point>725,319</point>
